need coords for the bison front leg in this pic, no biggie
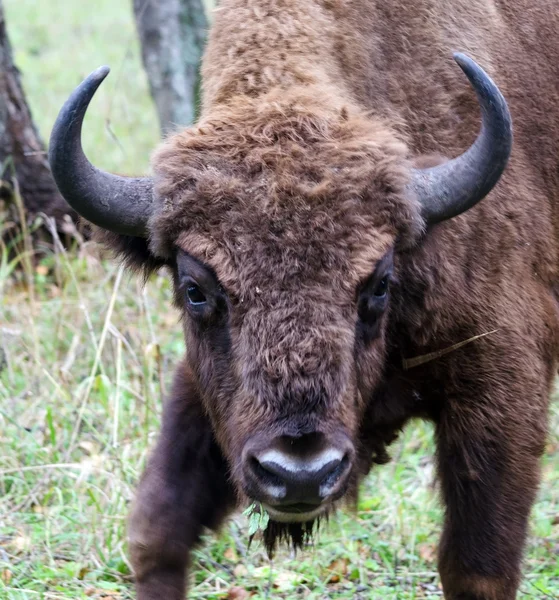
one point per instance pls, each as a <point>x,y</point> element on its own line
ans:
<point>488,451</point>
<point>183,490</point>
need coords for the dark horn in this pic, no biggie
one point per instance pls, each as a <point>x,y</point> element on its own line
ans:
<point>120,204</point>
<point>453,187</point>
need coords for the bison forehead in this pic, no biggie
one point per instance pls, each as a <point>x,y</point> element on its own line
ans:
<point>270,195</point>
<point>255,254</point>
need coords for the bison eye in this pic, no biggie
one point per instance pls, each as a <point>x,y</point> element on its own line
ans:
<point>372,298</point>
<point>382,287</point>
<point>195,295</point>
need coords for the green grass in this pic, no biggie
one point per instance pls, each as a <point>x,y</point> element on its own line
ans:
<point>86,354</point>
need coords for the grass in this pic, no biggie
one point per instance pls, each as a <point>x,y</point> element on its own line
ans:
<point>86,354</point>
<point>56,44</point>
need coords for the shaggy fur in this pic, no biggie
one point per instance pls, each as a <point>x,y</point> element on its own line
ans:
<point>284,198</point>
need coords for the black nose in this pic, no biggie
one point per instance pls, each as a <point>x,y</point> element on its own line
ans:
<point>295,475</point>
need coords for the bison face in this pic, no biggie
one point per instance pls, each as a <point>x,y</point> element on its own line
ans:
<point>285,330</point>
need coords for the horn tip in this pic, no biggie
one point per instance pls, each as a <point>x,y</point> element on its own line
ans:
<point>100,73</point>
<point>462,59</point>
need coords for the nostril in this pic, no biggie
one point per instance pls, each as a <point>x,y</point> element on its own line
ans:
<point>334,475</point>
<point>265,481</point>
<point>339,467</point>
<point>264,473</point>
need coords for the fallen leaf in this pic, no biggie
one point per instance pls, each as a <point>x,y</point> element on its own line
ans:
<point>240,570</point>
<point>337,568</point>
<point>103,594</point>
<point>237,593</point>
<point>21,543</point>
<point>231,554</point>
<point>287,580</point>
<point>261,572</point>
<point>428,552</point>
<point>90,447</point>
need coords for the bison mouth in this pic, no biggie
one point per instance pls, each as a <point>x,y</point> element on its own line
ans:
<point>299,512</point>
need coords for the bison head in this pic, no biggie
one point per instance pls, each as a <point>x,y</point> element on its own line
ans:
<point>283,220</point>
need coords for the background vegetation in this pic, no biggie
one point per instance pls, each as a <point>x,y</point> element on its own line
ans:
<point>86,353</point>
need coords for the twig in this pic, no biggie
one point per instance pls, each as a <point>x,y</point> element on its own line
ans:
<point>410,363</point>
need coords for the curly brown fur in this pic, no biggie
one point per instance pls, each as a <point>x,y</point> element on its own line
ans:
<point>287,195</point>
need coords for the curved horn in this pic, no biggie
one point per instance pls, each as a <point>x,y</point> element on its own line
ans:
<point>453,187</point>
<point>120,204</point>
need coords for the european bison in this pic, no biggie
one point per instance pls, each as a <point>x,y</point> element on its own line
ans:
<point>322,223</point>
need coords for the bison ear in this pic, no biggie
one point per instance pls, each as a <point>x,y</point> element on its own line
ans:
<point>133,251</point>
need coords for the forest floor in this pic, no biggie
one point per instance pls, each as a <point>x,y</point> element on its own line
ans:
<point>86,353</point>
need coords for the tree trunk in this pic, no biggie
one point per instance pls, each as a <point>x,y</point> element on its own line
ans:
<point>22,153</point>
<point>173,34</point>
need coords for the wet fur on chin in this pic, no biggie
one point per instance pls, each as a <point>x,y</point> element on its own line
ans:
<point>293,535</point>
<point>298,535</point>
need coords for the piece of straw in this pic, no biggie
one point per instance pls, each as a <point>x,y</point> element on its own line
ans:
<point>410,363</point>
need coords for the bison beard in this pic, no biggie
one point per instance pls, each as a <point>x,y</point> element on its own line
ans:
<point>295,535</point>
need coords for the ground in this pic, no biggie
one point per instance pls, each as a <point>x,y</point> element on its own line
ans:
<point>86,353</point>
